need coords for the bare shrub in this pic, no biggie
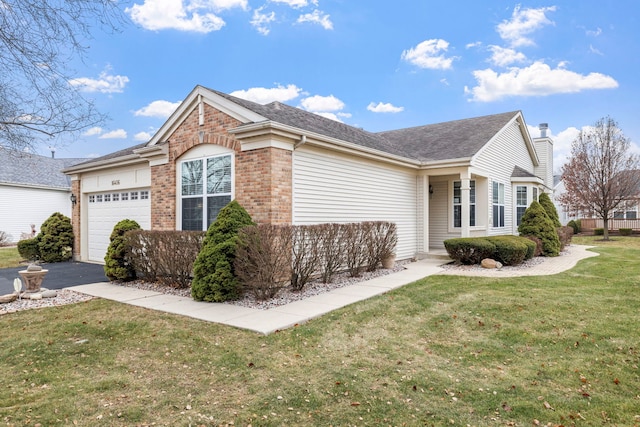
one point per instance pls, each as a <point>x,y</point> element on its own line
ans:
<point>331,254</point>
<point>305,241</point>
<point>164,256</point>
<point>263,259</point>
<point>5,239</point>
<point>355,240</point>
<point>381,242</point>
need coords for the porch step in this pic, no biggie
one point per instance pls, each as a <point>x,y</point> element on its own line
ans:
<point>439,254</point>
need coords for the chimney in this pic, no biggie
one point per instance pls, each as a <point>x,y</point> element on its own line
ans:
<point>53,152</point>
<point>543,129</point>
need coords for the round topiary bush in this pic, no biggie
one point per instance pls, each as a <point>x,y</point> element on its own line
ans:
<point>510,250</point>
<point>55,241</point>
<point>116,265</point>
<point>214,278</point>
<point>536,222</point>
<point>28,249</point>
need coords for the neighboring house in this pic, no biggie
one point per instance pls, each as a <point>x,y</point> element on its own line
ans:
<point>32,187</point>
<point>469,177</point>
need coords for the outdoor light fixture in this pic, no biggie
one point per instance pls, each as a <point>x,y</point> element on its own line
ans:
<point>73,198</point>
<point>430,189</point>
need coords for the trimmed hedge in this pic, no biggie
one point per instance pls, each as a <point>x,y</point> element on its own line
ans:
<point>598,231</point>
<point>575,224</point>
<point>625,231</point>
<point>28,249</point>
<point>509,250</point>
<point>469,250</point>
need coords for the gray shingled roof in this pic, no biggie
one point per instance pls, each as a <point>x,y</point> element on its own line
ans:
<point>441,141</point>
<point>518,172</point>
<point>449,140</point>
<point>31,169</point>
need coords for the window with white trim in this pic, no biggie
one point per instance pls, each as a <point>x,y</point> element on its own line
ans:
<point>498,204</point>
<point>535,194</point>
<point>521,202</point>
<point>457,204</point>
<point>107,197</point>
<point>205,188</point>
<point>124,196</point>
<point>134,195</point>
<point>115,197</point>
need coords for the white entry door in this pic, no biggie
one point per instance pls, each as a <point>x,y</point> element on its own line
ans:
<point>105,210</point>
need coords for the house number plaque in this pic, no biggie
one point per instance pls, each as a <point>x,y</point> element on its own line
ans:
<point>115,182</point>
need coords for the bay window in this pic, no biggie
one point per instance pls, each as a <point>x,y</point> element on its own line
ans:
<point>498,204</point>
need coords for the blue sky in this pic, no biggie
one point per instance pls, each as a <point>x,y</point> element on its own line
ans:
<point>372,64</point>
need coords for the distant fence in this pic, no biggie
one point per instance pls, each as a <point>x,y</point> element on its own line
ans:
<point>614,224</point>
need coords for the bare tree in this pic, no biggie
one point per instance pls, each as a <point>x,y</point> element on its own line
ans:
<point>38,41</point>
<point>602,174</point>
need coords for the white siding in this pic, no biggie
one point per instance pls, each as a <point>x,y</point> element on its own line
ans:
<point>22,206</point>
<point>337,188</point>
<point>499,157</point>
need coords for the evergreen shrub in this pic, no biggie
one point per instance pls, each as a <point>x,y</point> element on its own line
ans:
<point>598,231</point>
<point>28,249</point>
<point>550,209</point>
<point>509,250</point>
<point>55,240</point>
<point>469,250</point>
<point>574,225</point>
<point>117,265</point>
<point>536,222</point>
<point>625,231</point>
<point>214,278</point>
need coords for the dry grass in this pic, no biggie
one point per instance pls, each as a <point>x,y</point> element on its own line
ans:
<point>445,350</point>
<point>9,257</point>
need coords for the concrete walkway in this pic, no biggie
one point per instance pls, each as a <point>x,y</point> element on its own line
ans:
<point>283,317</point>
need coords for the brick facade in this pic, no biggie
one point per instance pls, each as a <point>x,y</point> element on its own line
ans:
<point>263,180</point>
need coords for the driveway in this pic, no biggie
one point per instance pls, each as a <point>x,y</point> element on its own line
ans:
<point>60,275</point>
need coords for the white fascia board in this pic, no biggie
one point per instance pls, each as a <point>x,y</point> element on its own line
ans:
<point>200,93</point>
<point>527,179</point>
<point>129,159</point>
<point>319,140</point>
<point>447,163</point>
<point>155,154</point>
<point>35,187</point>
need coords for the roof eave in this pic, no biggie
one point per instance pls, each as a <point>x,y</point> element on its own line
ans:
<point>316,139</point>
<point>126,160</point>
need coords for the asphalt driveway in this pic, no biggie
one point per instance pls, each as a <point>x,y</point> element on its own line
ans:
<point>60,275</point>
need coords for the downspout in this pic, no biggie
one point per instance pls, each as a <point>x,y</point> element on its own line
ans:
<point>303,140</point>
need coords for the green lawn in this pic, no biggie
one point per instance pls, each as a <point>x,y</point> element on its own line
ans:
<point>9,257</point>
<point>551,350</point>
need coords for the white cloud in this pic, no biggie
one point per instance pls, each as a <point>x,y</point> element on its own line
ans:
<point>594,33</point>
<point>429,54</point>
<point>183,15</point>
<point>263,95</point>
<point>93,131</point>
<point>105,83</point>
<point>319,103</point>
<point>142,136</point>
<point>296,4</point>
<point>261,21</point>
<point>561,144</point>
<point>114,134</point>
<point>384,107</point>
<point>594,50</point>
<point>522,24</point>
<point>160,109</point>
<point>317,17</point>
<point>502,56</point>
<point>536,80</point>
<point>472,45</point>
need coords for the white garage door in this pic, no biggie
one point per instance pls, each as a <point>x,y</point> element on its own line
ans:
<point>107,209</point>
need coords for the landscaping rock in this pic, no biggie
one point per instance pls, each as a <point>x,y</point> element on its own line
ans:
<point>8,298</point>
<point>490,263</point>
<point>35,296</point>
<point>49,293</point>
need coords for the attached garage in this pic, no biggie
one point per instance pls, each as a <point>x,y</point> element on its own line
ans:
<point>105,210</point>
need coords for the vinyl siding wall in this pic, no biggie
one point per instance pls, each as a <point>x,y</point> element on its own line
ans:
<point>23,206</point>
<point>499,157</point>
<point>330,187</point>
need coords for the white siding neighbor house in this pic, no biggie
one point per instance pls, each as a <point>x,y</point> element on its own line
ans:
<point>470,177</point>
<point>32,187</point>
